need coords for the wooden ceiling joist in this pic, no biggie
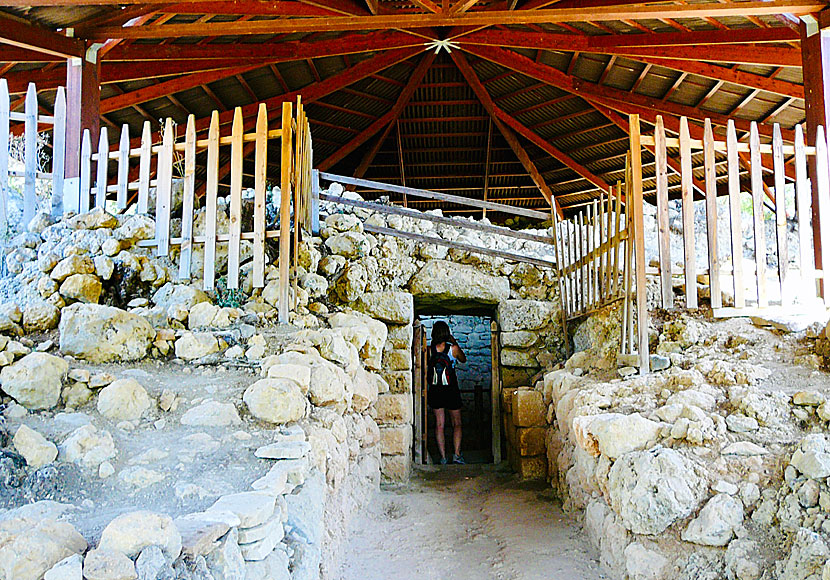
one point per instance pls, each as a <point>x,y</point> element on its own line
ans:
<point>388,118</point>
<point>487,18</point>
<point>19,33</point>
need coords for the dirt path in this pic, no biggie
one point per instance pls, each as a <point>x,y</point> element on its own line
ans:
<point>470,522</point>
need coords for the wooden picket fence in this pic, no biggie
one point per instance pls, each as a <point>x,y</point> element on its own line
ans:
<point>800,293</point>
<point>31,119</point>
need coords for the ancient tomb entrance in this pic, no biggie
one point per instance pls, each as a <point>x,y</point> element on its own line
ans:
<point>473,332</point>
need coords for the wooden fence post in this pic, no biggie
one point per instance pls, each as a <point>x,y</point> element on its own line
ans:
<point>285,210</point>
<point>4,155</point>
<point>59,155</point>
<point>635,201</point>
<point>30,156</point>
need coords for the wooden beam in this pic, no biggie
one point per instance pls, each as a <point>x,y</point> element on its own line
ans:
<point>493,110</point>
<point>580,87</point>
<point>428,5</point>
<point>371,153</point>
<point>266,52</point>
<point>495,17</point>
<point>170,87</point>
<point>248,8</point>
<point>19,33</point>
<point>389,117</point>
<point>83,97</point>
<point>461,6</point>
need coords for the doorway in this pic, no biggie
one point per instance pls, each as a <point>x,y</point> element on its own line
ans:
<point>474,334</point>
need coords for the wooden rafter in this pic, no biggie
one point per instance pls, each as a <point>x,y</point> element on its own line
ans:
<point>577,86</point>
<point>372,152</point>
<point>495,17</point>
<point>19,33</point>
<point>492,109</point>
<point>389,117</point>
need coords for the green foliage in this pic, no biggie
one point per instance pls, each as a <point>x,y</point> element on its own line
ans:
<point>225,297</point>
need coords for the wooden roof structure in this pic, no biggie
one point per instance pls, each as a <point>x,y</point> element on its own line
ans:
<point>522,99</point>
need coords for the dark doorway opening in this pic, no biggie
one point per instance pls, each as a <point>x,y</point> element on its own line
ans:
<point>475,379</point>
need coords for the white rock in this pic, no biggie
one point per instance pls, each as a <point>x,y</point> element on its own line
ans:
<point>283,450</point>
<point>70,568</point>
<point>812,458</point>
<point>212,413</point>
<point>744,449</point>
<point>693,397</point>
<point>614,434</point>
<point>226,562</point>
<point>199,535</point>
<point>644,564</point>
<point>194,345</point>
<point>260,550</point>
<point>34,447</point>
<point>104,333</point>
<point>35,380</point>
<point>717,522</point>
<point>131,532</point>
<point>104,564</point>
<point>276,400</point>
<point>273,567</point>
<point>124,400</point>
<point>88,447</point>
<point>30,547</point>
<point>272,527</point>
<point>806,558</point>
<point>252,507</point>
<point>141,477</point>
<point>650,490</point>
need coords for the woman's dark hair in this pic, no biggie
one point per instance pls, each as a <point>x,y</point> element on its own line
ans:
<point>440,333</point>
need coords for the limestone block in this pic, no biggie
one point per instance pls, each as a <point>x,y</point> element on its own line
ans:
<point>518,358</point>
<point>614,434</point>
<point>300,374</point>
<point>398,381</point>
<point>276,400</point>
<point>526,314</point>
<point>70,568</point>
<point>39,316</point>
<point>812,458</point>
<point>124,400</point>
<point>394,409</point>
<point>349,244</point>
<point>530,440</point>
<point>528,408</point>
<point>273,528</point>
<point>212,413</point>
<point>644,564</point>
<point>194,345</point>
<point>35,380</point>
<point>397,360</point>
<point>30,547</point>
<point>395,467</point>
<point>75,264</point>
<point>717,522</point>
<point>512,377</point>
<point>181,294</point>
<point>444,280</point>
<point>391,307</point>
<point>104,333</point>
<point>400,336</point>
<point>532,467</point>
<point>104,564</point>
<point>131,532</point>
<point>251,507</point>
<point>507,401</point>
<point>364,390</point>
<point>81,288</point>
<point>201,315</point>
<point>395,440</point>
<point>34,447</point>
<point>88,447</point>
<point>199,535</point>
<point>519,338</point>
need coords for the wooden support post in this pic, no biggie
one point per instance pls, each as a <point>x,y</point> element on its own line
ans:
<point>285,210</point>
<point>815,57</point>
<point>58,154</point>
<point>30,156</point>
<point>663,236</point>
<point>710,171</point>
<point>4,156</point>
<point>211,190</point>
<point>690,273</point>
<point>635,206</point>
<point>495,390</point>
<point>83,102</point>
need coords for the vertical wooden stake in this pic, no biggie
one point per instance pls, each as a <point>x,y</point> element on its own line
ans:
<point>102,168</point>
<point>58,154</point>
<point>123,167</point>
<point>710,170</point>
<point>802,196</point>
<point>211,190</point>
<point>236,199</point>
<point>86,172</point>
<point>164,187</point>
<point>285,210</point>
<point>144,168</point>
<point>495,390</point>
<point>735,214</point>
<point>781,214</point>
<point>260,171</point>
<point>186,253</point>
<point>663,240</point>
<point>4,155</point>
<point>635,201</point>
<point>687,201</point>
<point>30,156</point>
<point>756,169</point>
<point>823,186</point>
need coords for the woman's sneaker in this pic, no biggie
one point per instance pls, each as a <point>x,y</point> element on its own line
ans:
<point>443,461</point>
<point>459,459</point>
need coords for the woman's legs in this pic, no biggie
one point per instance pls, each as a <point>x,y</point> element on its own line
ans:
<point>455,416</point>
<point>439,431</point>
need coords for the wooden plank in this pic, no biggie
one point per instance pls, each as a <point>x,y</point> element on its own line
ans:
<point>756,169</point>
<point>164,189</point>
<point>636,207</point>
<point>495,391</point>
<point>736,233</point>
<point>710,171</point>
<point>802,196</point>
<point>298,174</point>
<point>342,179</point>
<point>102,166</point>
<point>455,222</point>
<point>459,246</point>
<point>604,236</point>
<point>616,256</point>
<point>315,202</point>
<point>781,214</point>
<point>688,213</point>
<point>123,167</point>
<point>417,396</point>
<point>30,156</point>
<point>260,174</point>
<point>5,105</point>
<point>594,246</point>
<point>823,193</point>
<point>211,190</point>
<point>663,240</point>
<point>235,225</point>
<point>58,154</point>
<point>86,171</point>
<point>185,257</point>
<point>285,211</point>
<point>557,239</point>
<point>144,169</point>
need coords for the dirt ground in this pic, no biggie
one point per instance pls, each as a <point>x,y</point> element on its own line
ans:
<point>462,522</point>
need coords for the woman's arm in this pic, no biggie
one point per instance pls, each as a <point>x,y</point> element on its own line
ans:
<point>458,354</point>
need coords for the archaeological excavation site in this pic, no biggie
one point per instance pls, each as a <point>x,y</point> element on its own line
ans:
<point>414,289</point>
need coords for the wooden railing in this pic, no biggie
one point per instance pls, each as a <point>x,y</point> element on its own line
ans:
<point>123,193</point>
<point>31,119</point>
<point>789,293</point>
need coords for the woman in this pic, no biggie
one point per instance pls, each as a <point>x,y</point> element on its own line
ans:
<point>442,391</point>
